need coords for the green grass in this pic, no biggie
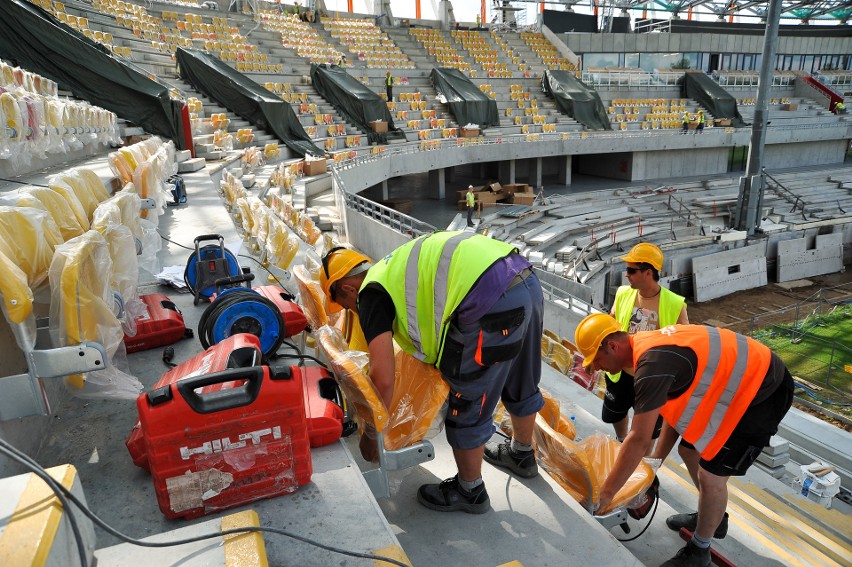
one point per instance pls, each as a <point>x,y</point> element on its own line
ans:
<point>809,348</point>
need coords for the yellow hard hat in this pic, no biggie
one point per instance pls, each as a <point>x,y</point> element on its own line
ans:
<point>591,332</point>
<point>337,264</point>
<point>646,253</point>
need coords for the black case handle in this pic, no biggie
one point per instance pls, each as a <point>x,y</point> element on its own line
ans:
<point>230,398</point>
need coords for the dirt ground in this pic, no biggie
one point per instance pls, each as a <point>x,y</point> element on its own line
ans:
<point>737,310</point>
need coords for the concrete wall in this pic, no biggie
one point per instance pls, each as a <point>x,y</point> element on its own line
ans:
<point>717,275</point>
<point>582,43</point>
<point>679,163</point>
<point>810,256</point>
<point>370,236</point>
<point>811,153</point>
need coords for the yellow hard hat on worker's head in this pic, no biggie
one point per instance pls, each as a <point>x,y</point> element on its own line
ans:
<point>591,332</point>
<point>337,264</point>
<point>645,253</point>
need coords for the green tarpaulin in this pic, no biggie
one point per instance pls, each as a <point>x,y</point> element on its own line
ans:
<point>353,100</point>
<point>711,96</point>
<point>35,40</point>
<point>467,103</point>
<point>576,99</point>
<point>244,97</point>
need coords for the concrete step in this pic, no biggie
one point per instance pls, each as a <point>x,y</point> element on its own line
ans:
<point>34,528</point>
<point>192,165</point>
<point>236,549</point>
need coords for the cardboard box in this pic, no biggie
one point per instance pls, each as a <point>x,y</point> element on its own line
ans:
<point>790,106</point>
<point>315,167</point>
<point>722,122</point>
<point>523,198</point>
<point>468,132</point>
<point>494,187</point>
<point>379,126</point>
<point>517,188</point>
<point>487,197</point>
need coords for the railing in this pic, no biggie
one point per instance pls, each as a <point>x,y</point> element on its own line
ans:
<point>789,196</point>
<point>610,79</point>
<point>650,26</point>
<point>751,79</point>
<point>834,98</point>
<point>367,155</point>
<point>832,79</point>
<point>394,219</point>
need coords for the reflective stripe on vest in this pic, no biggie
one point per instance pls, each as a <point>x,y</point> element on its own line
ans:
<point>671,304</point>
<point>731,368</point>
<point>447,264</point>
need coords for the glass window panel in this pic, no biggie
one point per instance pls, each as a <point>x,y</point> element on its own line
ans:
<point>600,60</point>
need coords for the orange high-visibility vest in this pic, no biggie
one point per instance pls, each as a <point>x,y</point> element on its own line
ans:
<point>731,368</point>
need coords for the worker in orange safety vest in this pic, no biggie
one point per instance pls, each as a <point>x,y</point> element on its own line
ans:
<point>724,393</point>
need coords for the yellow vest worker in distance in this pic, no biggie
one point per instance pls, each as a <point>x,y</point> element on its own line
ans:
<point>644,305</point>
<point>724,393</point>
<point>470,199</point>
<point>685,123</point>
<point>471,306</point>
<point>389,86</point>
<point>701,120</point>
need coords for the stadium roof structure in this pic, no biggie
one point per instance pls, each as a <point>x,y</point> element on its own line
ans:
<point>802,10</point>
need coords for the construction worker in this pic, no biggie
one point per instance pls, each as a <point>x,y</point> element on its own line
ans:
<point>470,199</point>
<point>724,393</point>
<point>389,86</point>
<point>685,124</point>
<point>644,305</point>
<point>840,108</point>
<point>464,303</point>
<point>699,129</point>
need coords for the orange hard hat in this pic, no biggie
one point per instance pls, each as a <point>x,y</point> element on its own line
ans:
<point>591,332</point>
<point>337,264</point>
<point>645,253</point>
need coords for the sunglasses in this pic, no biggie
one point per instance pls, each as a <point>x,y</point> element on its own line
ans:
<point>325,261</point>
<point>632,271</point>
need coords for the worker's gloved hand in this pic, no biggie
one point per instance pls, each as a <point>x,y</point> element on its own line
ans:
<point>368,446</point>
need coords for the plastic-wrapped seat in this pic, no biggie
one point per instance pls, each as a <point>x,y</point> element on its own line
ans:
<point>82,310</point>
<point>419,395</point>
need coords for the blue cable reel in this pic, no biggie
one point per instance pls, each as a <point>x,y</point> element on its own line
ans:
<point>208,264</point>
<point>242,310</point>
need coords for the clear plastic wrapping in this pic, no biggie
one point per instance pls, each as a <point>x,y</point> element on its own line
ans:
<point>81,309</point>
<point>603,451</point>
<point>17,295</point>
<point>311,296</point>
<point>419,391</point>
<point>68,224</point>
<point>27,238</point>
<point>72,202</point>
<point>281,244</point>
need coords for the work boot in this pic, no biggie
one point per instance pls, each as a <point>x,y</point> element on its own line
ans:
<point>690,522</point>
<point>690,556</point>
<point>502,455</point>
<point>449,496</point>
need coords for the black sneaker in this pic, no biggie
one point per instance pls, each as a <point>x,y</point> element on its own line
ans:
<point>690,556</point>
<point>690,522</point>
<point>502,455</point>
<point>449,496</point>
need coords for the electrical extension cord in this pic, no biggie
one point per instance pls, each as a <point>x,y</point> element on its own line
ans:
<point>63,494</point>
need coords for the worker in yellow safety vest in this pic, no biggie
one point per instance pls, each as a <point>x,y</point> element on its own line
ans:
<point>699,129</point>
<point>470,199</point>
<point>642,305</point>
<point>389,86</point>
<point>472,307</point>
<point>685,124</point>
<point>724,393</point>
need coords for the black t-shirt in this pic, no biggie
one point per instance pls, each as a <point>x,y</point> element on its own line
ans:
<point>375,311</point>
<point>665,372</point>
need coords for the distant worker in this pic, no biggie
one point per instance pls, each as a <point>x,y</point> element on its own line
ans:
<point>685,125</point>
<point>840,108</point>
<point>725,393</point>
<point>389,86</point>
<point>470,198</point>
<point>643,305</point>
<point>472,307</point>
<point>700,128</point>
<point>478,21</point>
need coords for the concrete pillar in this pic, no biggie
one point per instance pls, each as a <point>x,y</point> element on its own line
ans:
<point>537,173</point>
<point>564,170</point>
<point>385,191</point>
<point>437,182</point>
<point>511,171</point>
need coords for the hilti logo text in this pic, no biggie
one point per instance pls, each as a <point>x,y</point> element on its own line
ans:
<point>225,443</point>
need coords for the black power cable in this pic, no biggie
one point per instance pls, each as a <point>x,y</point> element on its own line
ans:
<point>247,324</point>
<point>60,491</point>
